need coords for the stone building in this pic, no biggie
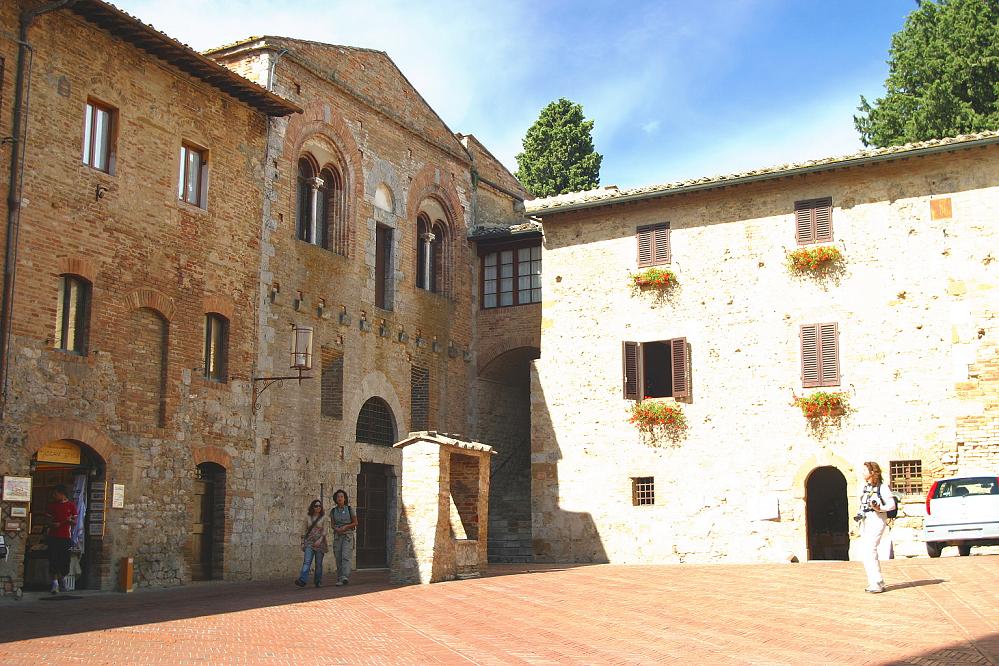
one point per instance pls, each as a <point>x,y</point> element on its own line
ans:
<point>903,326</point>
<point>135,193</point>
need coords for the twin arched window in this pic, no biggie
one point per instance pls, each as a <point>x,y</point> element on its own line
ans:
<point>322,206</point>
<point>432,260</point>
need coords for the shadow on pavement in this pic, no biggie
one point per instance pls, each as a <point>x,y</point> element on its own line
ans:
<point>913,583</point>
<point>983,650</point>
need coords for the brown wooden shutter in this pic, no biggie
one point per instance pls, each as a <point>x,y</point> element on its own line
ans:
<point>810,355</point>
<point>681,379</point>
<point>829,355</point>
<point>660,244</point>
<point>646,257</point>
<point>822,214</point>
<point>803,223</point>
<point>631,360</point>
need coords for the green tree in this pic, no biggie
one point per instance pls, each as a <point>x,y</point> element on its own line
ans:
<point>558,152</point>
<point>943,75</point>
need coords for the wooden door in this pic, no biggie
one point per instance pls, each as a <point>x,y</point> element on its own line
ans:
<point>372,516</point>
<point>202,532</point>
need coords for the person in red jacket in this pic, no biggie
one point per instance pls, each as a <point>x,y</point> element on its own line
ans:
<point>62,517</point>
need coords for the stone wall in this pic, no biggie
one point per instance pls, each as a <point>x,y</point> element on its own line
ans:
<point>915,303</point>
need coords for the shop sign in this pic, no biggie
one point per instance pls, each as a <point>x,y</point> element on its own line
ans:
<point>17,489</point>
<point>60,451</point>
<point>118,496</point>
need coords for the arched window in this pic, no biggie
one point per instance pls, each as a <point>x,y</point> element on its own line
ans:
<point>334,211</point>
<point>440,261</point>
<point>73,314</point>
<point>425,251</point>
<point>375,424</point>
<point>306,200</point>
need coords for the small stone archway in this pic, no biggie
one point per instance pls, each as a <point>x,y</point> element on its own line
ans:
<point>827,514</point>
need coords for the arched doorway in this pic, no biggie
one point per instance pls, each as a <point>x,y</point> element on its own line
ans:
<point>827,515</point>
<point>82,472</point>
<point>207,513</point>
<point>375,490</point>
<point>504,393</point>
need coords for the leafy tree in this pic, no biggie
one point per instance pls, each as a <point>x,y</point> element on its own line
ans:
<point>558,152</point>
<point>943,75</point>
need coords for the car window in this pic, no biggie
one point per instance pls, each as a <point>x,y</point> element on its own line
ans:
<point>980,485</point>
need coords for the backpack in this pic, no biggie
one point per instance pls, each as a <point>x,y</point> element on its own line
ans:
<point>894,512</point>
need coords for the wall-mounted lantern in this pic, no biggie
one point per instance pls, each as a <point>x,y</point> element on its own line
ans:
<point>301,360</point>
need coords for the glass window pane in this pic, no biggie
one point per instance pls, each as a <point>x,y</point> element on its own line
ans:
<point>506,270</point>
<point>489,301</point>
<point>506,257</point>
<point>87,130</point>
<point>180,177</point>
<point>536,253</point>
<point>489,273</point>
<point>524,282</point>
<point>524,268</point>
<point>535,295</point>
<point>536,281</point>
<point>73,302</point>
<point>524,296</point>
<point>524,254</point>
<point>506,284</point>
<point>491,259</point>
<point>102,130</point>
<point>489,287</point>
<point>536,267</point>
<point>193,173</point>
<point>506,299</point>
<point>60,338</point>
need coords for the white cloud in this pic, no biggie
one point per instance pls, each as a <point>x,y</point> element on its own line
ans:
<point>650,127</point>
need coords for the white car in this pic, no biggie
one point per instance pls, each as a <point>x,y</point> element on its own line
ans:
<point>962,511</point>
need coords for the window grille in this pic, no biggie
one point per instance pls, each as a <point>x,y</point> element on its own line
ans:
<point>216,347</point>
<point>419,398</point>
<point>73,314</point>
<point>643,490</point>
<point>906,476</point>
<point>375,424</point>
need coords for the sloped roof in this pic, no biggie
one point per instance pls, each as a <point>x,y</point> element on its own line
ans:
<point>368,75</point>
<point>147,38</point>
<point>490,169</point>
<point>443,439</point>
<point>607,196</point>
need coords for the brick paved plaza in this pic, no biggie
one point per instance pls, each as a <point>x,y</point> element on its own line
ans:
<point>942,611</point>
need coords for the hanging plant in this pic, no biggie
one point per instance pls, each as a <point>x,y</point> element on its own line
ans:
<point>821,403</point>
<point>813,258</point>
<point>659,278</point>
<point>655,418</point>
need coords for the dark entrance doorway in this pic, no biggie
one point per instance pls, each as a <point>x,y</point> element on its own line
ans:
<point>207,522</point>
<point>372,515</point>
<point>827,515</point>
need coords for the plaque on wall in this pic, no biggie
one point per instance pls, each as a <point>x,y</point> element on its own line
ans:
<point>59,451</point>
<point>118,496</point>
<point>17,489</point>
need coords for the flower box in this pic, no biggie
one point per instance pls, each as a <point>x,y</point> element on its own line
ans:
<point>813,258</point>
<point>652,416</point>
<point>821,403</point>
<point>659,278</point>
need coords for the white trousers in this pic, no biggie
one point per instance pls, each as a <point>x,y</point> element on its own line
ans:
<point>871,533</point>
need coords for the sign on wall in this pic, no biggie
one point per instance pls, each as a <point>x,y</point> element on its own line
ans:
<point>17,489</point>
<point>118,496</point>
<point>60,451</point>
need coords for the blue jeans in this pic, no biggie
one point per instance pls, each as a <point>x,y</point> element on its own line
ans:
<point>310,554</point>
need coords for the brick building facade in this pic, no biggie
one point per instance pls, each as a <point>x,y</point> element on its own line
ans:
<point>904,325</point>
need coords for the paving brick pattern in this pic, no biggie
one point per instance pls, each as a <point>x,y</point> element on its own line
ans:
<point>942,611</point>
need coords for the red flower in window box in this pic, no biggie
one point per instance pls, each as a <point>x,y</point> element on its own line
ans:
<point>821,403</point>
<point>660,278</point>
<point>813,258</point>
<point>653,417</point>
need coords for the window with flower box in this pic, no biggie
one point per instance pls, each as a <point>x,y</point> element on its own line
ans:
<point>511,276</point>
<point>813,221</point>
<point>656,369</point>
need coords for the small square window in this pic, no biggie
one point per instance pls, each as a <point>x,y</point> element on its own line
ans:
<point>906,476</point>
<point>643,490</point>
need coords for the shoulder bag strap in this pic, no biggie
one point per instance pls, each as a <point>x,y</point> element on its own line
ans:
<point>314,523</point>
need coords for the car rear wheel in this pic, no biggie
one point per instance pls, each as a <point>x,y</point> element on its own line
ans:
<point>933,549</point>
<point>964,550</point>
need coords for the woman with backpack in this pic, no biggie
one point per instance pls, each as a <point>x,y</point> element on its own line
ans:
<point>344,522</point>
<point>314,544</point>
<point>876,501</point>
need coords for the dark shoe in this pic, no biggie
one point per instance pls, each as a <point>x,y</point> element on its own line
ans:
<point>345,581</point>
<point>299,582</point>
<point>318,584</point>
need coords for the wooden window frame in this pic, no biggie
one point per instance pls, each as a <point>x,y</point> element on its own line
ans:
<point>903,479</point>
<point>819,349</point>
<point>813,221</point>
<point>90,147</point>
<point>68,326</point>
<point>216,366</point>
<point>515,275</point>
<point>200,196</point>
<point>633,368</point>
<point>383,266</point>
<point>653,244</point>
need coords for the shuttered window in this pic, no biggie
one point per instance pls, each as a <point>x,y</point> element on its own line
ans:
<point>419,397</point>
<point>819,355</point>
<point>331,391</point>
<point>653,244</point>
<point>813,221</point>
<point>657,369</point>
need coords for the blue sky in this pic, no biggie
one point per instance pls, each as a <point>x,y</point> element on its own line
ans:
<point>677,89</point>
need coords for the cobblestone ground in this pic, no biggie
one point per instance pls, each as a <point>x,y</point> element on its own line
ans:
<point>942,611</point>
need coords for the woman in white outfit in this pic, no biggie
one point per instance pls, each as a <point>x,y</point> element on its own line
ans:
<point>875,502</point>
